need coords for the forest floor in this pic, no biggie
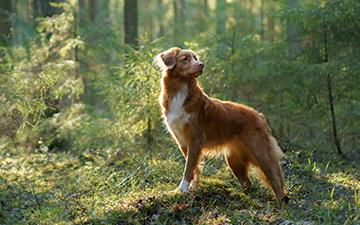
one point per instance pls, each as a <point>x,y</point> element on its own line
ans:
<point>100,187</point>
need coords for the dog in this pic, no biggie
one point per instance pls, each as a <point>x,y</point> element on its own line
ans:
<point>202,125</point>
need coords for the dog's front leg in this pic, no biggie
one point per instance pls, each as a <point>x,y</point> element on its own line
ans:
<point>192,161</point>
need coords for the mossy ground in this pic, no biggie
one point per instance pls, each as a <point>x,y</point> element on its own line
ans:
<point>100,187</point>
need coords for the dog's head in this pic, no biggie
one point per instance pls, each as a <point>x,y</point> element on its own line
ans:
<point>182,62</point>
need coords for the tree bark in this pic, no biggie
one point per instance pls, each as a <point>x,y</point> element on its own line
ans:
<point>293,36</point>
<point>160,13</point>
<point>331,98</point>
<point>131,22</point>
<point>76,58</point>
<point>270,23</point>
<point>99,14</point>
<point>203,12</point>
<point>221,16</point>
<point>92,10</point>
<point>179,21</point>
<point>83,13</point>
<point>262,30</point>
<point>5,22</point>
<point>42,8</point>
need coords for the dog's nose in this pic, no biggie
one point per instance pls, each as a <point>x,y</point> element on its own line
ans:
<point>201,65</point>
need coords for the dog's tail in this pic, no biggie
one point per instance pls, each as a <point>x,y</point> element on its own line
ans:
<point>276,148</point>
<point>273,143</point>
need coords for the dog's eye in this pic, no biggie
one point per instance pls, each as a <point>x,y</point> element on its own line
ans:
<point>185,58</point>
<point>195,58</point>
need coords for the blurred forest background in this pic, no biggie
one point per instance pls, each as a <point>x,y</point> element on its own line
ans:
<point>77,77</point>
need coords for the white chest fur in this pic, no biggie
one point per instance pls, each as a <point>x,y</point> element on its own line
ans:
<point>177,117</point>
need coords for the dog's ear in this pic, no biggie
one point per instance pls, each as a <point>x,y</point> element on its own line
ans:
<point>167,59</point>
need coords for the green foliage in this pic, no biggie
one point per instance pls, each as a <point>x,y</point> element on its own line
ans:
<point>36,89</point>
<point>78,66</point>
<point>132,94</point>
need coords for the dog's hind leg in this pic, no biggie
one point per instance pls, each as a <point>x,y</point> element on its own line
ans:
<point>195,182</point>
<point>239,166</point>
<point>274,178</point>
<point>267,161</point>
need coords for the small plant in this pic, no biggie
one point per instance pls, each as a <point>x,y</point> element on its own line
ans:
<point>357,197</point>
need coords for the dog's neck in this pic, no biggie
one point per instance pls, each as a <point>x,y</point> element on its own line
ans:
<point>171,84</point>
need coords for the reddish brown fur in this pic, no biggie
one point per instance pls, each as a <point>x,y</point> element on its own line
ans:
<point>216,125</point>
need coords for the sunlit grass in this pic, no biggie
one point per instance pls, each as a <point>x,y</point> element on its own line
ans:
<point>347,180</point>
<point>59,188</point>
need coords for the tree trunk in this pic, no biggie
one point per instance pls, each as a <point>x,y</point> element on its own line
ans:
<point>22,26</point>
<point>203,12</point>
<point>83,13</point>
<point>99,14</point>
<point>5,22</point>
<point>262,30</point>
<point>221,16</point>
<point>92,10</point>
<point>293,35</point>
<point>270,27</point>
<point>42,8</point>
<point>160,17</point>
<point>149,133</point>
<point>76,49</point>
<point>179,21</point>
<point>131,22</point>
<point>150,19</point>
<point>331,98</point>
<point>270,23</point>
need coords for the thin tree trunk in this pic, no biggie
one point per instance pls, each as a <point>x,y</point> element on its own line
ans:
<point>221,16</point>
<point>203,13</point>
<point>149,133</point>
<point>262,30</point>
<point>131,22</point>
<point>331,98</point>
<point>22,26</point>
<point>76,50</point>
<point>42,8</point>
<point>206,4</point>
<point>270,24</point>
<point>92,10</point>
<point>150,28</point>
<point>333,116</point>
<point>293,32</point>
<point>83,13</point>
<point>5,22</point>
<point>179,20</point>
<point>160,13</point>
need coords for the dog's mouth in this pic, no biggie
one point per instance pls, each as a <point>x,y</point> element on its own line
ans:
<point>197,72</point>
<point>191,74</point>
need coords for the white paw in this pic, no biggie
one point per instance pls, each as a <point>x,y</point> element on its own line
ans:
<point>184,186</point>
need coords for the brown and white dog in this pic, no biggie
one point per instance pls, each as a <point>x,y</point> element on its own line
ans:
<point>203,125</point>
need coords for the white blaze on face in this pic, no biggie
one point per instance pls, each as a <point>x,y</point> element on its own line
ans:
<point>177,117</point>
